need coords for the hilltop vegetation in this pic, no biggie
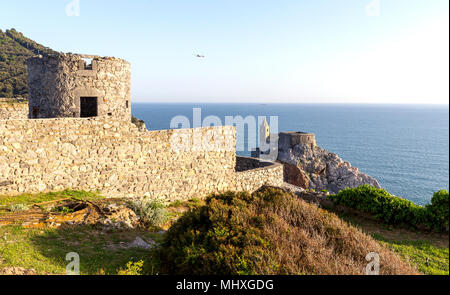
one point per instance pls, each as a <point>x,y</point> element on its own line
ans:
<point>269,232</point>
<point>397,211</point>
<point>15,48</point>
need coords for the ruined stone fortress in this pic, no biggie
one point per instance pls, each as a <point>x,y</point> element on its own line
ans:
<point>76,133</point>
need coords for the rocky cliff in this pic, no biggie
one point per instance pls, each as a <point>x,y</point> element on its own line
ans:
<point>311,167</point>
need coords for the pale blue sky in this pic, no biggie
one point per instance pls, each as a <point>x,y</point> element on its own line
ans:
<point>257,51</point>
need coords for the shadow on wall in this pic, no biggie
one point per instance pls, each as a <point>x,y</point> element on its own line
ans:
<point>246,163</point>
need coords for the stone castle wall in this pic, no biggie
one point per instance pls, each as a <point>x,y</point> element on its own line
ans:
<point>114,158</point>
<point>13,110</point>
<point>57,82</point>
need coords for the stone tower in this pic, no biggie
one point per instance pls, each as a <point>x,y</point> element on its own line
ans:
<point>78,86</point>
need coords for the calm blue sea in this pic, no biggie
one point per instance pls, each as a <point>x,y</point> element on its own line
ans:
<point>405,147</point>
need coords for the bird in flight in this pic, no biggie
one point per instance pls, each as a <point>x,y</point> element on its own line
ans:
<point>200,56</point>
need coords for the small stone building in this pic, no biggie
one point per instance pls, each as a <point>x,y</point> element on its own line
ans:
<point>78,86</point>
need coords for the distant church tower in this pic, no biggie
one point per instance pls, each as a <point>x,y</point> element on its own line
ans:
<point>264,133</point>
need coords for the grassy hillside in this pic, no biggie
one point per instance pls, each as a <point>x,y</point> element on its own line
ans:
<point>14,50</point>
<point>294,236</point>
<point>269,232</point>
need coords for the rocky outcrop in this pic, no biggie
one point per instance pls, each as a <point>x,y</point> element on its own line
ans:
<point>311,167</point>
<point>293,174</point>
<point>140,124</point>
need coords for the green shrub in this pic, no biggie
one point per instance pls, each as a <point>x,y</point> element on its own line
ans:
<point>211,239</point>
<point>152,212</point>
<point>395,210</point>
<point>63,210</point>
<point>132,269</point>
<point>264,233</point>
<point>438,211</point>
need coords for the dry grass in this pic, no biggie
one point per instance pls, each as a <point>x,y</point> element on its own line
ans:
<point>271,232</point>
<point>318,242</point>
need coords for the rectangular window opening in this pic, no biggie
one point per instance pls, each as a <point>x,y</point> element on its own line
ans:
<point>87,63</point>
<point>88,107</point>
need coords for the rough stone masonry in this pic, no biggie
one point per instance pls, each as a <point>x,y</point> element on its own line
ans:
<point>13,109</point>
<point>60,84</point>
